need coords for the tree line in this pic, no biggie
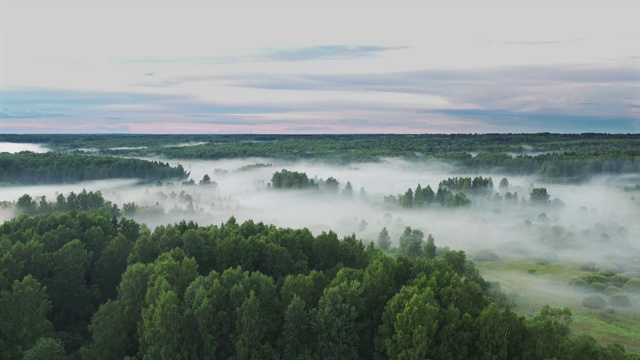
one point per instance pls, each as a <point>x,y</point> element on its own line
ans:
<point>88,285</point>
<point>555,157</point>
<point>55,168</point>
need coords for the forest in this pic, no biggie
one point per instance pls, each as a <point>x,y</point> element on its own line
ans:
<point>557,157</point>
<point>320,247</point>
<point>85,284</point>
<point>53,168</point>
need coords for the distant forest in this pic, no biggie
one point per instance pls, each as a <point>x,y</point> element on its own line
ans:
<point>54,168</point>
<point>556,157</point>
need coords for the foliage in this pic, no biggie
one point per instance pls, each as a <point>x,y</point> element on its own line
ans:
<point>85,284</point>
<point>286,179</point>
<point>555,157</point>
<point>53,168</point>
<point>594,302</point>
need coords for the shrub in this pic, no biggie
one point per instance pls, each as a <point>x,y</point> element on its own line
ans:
<point>486,255</point>
<point>618,280</point>
<point>619,300</point>
<point>633,285</point>
<point>594,302</point>
<point>579,284</point>
<point>610,290</point>
<point>589,266</point>
<point>598,287</point>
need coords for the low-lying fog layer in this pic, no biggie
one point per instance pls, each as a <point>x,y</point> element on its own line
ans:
<point>595,222</point>
<point>597,219</point>
<point>13,148</point>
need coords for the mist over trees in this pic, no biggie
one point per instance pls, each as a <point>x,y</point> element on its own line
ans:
<point>236,259</point>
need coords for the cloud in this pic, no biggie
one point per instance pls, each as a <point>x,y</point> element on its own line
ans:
<point>541,42</point>
<point>513,99</point>
<point>291,54</point>
<point>541,122</point>
<point>9,112</point>
<point>324,52</point>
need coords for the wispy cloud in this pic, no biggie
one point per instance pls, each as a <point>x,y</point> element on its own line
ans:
<point>9,112</point>
<point>324,52</point>
<point>290,54</point>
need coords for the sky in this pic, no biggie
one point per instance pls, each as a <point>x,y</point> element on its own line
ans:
<point>243,66</point>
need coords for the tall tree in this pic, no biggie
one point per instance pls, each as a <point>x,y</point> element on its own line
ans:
<point>296,334</point>
<point>162,329</point>
<point>430,248</point>
<point>384,240</point>
<point>250,329</point>
<point>539,196</point>
<point>411,243</point>
<point>23,317</point>
<point>334,326</point>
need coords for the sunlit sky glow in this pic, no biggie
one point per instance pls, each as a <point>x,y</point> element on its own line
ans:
<point>319,66</point>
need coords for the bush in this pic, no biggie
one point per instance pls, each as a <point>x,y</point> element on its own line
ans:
<point>633,285</point>
<point>579,284</point>
<point>609,310</point>
<point>589,266</point>
<point>594,302</point>
<point>618,280</point>
<point>591,278</point>
<point>486,255</point>
<point>598,287</point>
<point>610,290</point>
<point>619,300</point>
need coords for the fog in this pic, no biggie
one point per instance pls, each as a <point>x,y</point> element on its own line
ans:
<point>598,218</point>
<point>13,148</point>
<point>592,222</point>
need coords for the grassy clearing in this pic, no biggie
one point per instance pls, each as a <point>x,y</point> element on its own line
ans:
<point>533,284</point>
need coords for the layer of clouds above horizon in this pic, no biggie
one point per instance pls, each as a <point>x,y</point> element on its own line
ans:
<point>319,67</point>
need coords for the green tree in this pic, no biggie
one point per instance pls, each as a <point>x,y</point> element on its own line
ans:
<point>206,180</point>
<point>326,251</point>
<point>250,329</point>
<point>406,200</point>
<point>111,265</point>
<point>348,190</point>
<point>504,183</point>
<point>384,240</point>
<point>411,243</point>
<point>26,204</point>
<point>332,184</point>
<point>112,332</point>
<point>296,334</point>
<point>334,325</point>
<point>162,328</point>
<point>68,276</point>
<point>539,196</point>
<point>430,248</point>
<point>205,305</point>
<point>410,324</point>
<point>23,317</point>
<point>45,349</point>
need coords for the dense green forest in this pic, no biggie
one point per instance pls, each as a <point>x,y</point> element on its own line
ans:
<point>55,168</point>
<point>79,281</point>
<point>556,157</point>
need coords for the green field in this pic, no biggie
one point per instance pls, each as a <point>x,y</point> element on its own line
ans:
<point>532,284</point>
